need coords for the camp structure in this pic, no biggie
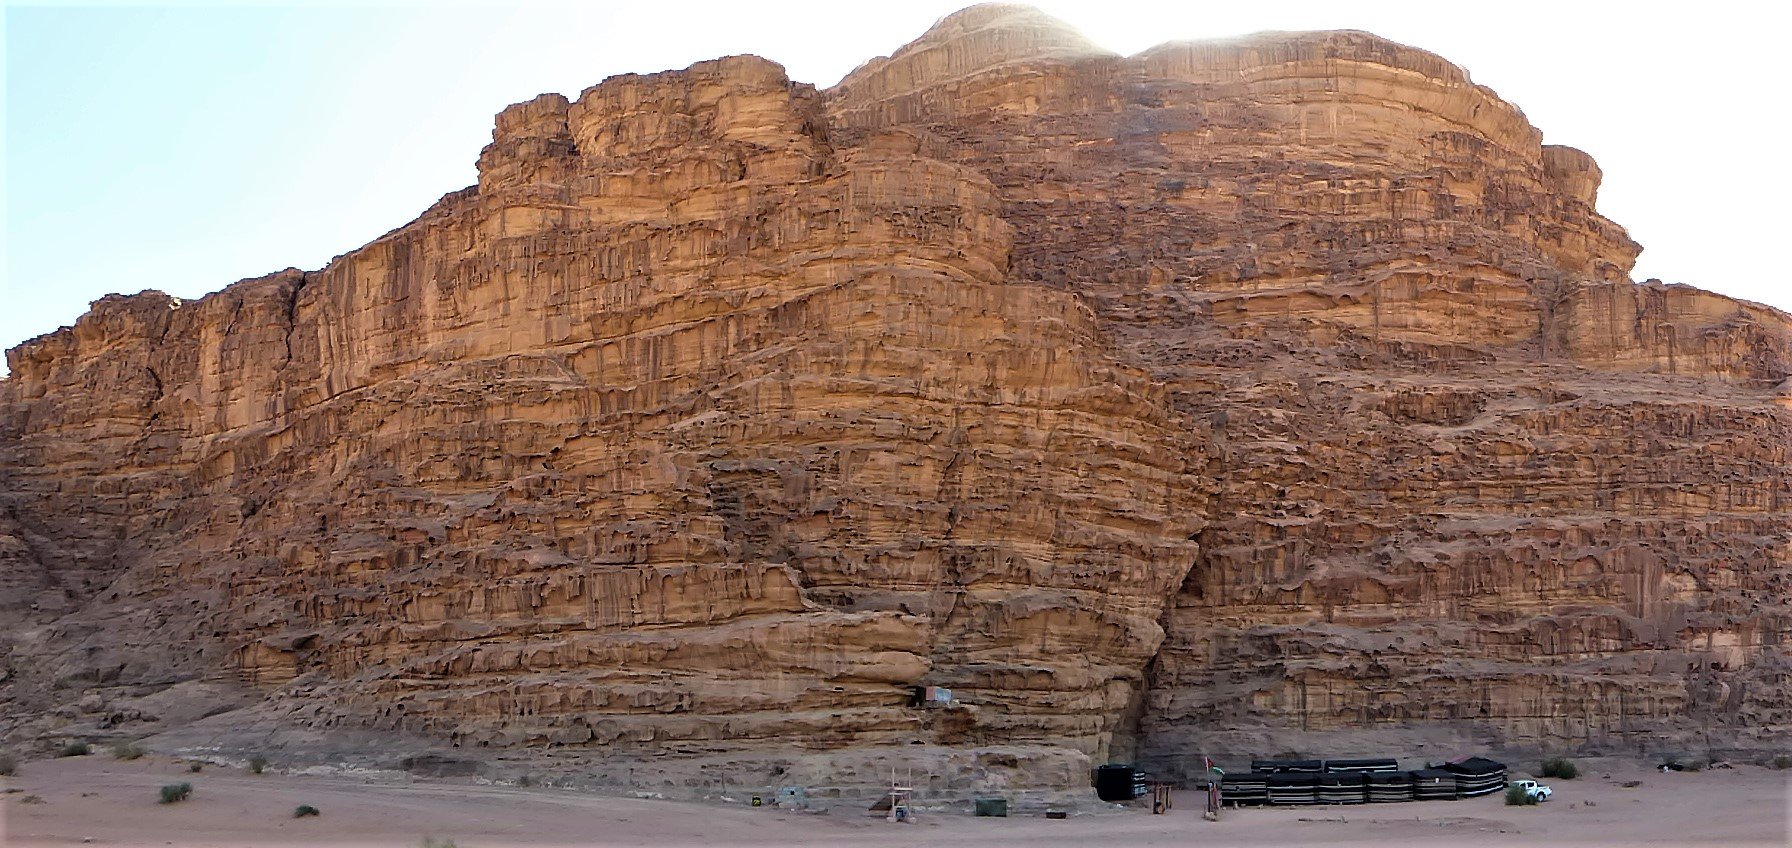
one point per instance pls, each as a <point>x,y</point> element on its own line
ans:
<point>1293,789</point>
<point>1434,785</point>
<point>1244,790</point>
<point>895,805</point>
<point>1476,776</point>
<point>1386,787</point>
<point>1382,764</point>
<point>1371,780</point>
<point>1342,788</point>
<point>1287,766</point>
<point>1118,783</point>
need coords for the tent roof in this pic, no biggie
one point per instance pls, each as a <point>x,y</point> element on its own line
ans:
<point>1474,765</point>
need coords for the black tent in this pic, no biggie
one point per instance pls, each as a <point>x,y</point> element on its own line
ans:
<point>1344,788</point>
<point>1388,787</point>
<point>1384,764</point>
<point>1365,780</point>
<point>1477,776</point>
<point>1474,765</point>
<point>1434,785</point>
<point>1116,783</point>
<point>1244,789</point>
<point>1293,789</point>
<point>1287,766</point>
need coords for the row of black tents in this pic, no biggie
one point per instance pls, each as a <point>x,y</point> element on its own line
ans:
<point>1376,781</point>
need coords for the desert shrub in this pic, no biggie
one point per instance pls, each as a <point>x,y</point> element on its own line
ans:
<point>175,792</point>
<point>1780,762</point>
<point>433,842</point>
<point>1517,797</point>
<point>194,766</point>
<point>74,749</point>
<point>8,765</point>
<point>1696,765</point>
<point>526,781</point>
<point>1560,767</point>
<point>303,810</point>
<point>257,763</point>
<point>126,751</point>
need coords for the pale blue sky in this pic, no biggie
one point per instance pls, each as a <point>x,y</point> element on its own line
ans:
<point>182,148</point>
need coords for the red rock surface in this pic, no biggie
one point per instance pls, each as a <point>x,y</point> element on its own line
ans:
<point>1280,393</point>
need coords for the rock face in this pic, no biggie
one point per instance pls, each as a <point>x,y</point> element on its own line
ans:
<point>1283,393</point>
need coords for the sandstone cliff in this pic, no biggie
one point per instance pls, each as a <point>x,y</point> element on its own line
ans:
<point>1276,393</point>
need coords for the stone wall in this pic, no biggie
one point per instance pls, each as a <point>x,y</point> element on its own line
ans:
<point>1282,393</point>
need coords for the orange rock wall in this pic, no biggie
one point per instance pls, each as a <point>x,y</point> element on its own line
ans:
<point>1284,393</point>
<point>1470,485</point>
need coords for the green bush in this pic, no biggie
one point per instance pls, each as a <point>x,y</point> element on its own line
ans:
<point>175,792</point>
<point>1560,767</point>
<point>303,810</point>
<point>257,763</point>
<point>194,766</point>
<point>126,751</point>
<point>8,765</point>
<point>1517,797</point>
<point>75,749</point>
<point>1782,762</point>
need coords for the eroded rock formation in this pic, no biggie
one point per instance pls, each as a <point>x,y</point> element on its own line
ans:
<point>1277,393</point>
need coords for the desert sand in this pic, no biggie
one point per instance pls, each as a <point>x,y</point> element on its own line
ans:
<point>102,801</point>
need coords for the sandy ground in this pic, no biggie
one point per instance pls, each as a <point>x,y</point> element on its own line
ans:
<point>112,802</point>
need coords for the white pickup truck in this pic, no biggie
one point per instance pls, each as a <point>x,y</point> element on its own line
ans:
<point>1534,789</point>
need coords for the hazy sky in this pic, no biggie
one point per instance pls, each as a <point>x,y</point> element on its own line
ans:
<point>184,147</point>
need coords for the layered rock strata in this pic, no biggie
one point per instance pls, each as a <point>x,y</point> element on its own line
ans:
<point>1279,393</point>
